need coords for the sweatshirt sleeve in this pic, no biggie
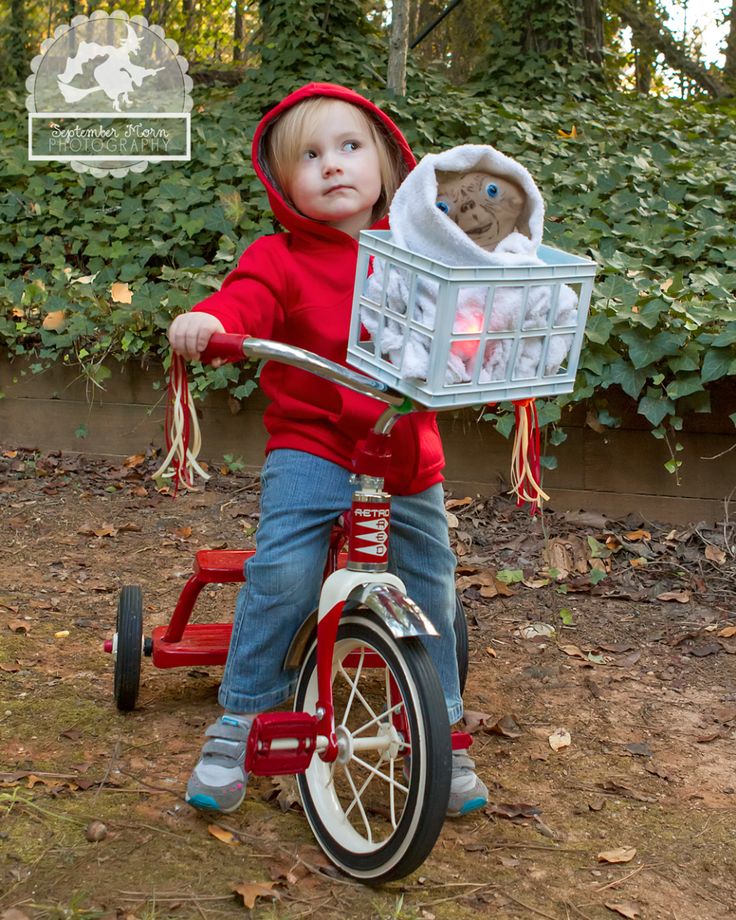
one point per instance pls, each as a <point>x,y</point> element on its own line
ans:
<point>251,298</point>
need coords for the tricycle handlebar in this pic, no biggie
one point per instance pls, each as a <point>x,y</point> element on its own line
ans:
<point>235,347</point>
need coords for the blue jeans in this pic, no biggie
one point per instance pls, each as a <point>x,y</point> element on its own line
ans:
<point>301,496</point>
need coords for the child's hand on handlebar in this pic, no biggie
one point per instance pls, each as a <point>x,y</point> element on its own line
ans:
<point>189,334</point>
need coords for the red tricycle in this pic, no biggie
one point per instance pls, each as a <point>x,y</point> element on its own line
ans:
<point>369,738</point>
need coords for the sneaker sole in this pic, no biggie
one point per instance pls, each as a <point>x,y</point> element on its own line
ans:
<point>207,803</point>
<point>472,805</point>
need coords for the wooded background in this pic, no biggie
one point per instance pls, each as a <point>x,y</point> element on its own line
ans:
<point>620,42</point>
<point>624,126</point>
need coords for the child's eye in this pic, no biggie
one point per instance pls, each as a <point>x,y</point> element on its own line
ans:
<point>492,190</point>
<point>351,145</point>
<point>309,154</point>
<point>444,207</point>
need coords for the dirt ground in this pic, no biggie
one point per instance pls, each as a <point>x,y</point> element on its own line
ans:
<point>612,641</point>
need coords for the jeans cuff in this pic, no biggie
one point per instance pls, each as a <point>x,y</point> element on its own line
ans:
<point>233,701</point>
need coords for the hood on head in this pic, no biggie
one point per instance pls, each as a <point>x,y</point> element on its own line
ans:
<point>418,224</point>
<point>282,209</point>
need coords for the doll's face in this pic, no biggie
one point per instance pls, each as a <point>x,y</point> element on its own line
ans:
<point>484,206</point>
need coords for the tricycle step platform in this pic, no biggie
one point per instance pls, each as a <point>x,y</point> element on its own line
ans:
<point>219,566</point>
<point>201,643</point>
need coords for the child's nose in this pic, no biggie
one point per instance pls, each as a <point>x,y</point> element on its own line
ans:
<point>330,165</point>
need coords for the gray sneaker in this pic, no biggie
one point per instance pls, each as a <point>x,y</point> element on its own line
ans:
<point>467,791</point>
<point>219,779</point>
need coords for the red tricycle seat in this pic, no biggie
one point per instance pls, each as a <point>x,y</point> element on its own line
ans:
<point>218,566</point>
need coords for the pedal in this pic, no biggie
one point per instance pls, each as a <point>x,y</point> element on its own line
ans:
<point>461,741</point>
<point>280,743</point>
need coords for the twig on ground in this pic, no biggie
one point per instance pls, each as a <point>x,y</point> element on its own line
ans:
<point>618,881</point>
<point>113,758</point>
<point>534,910</point>
<point>460,894</point>
<point>577,910</point>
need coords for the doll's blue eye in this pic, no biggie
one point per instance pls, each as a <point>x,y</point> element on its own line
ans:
<point>492,190</point>
<point>444,207</point>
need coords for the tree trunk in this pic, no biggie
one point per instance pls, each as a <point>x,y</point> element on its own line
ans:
<point>650,32</point>
<point>591,24</point>
<point>729,70</point>
<point>398,45</point>
<point>238,49</point>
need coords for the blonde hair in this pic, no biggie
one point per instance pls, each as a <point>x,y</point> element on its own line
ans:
<point>284,142</point>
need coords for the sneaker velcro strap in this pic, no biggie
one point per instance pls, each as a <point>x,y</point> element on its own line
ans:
<point>230,729</point>
<point>219,747</point>
<point>461,761</point>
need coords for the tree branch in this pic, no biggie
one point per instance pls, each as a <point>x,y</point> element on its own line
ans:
<point>652,32</point>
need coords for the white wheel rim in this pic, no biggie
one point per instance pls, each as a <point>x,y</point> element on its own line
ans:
<point>344,793</point>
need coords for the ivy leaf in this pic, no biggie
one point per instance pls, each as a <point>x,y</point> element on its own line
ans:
<point>654,409</point>
<point>630,379</point>
<point>684,386</point>
<point>716,364</point>
<point>644,350</point>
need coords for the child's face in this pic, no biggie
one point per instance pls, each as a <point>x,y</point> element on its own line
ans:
<point>337,179</point>
<point>484,206</point>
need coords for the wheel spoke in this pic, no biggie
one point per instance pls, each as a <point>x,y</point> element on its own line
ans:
<point>392,782</point>
<point>353,685</point>
<point>357,801</point>
<point>379,718</point>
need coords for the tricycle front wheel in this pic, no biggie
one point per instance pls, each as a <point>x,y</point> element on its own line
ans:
<point>378,809</point>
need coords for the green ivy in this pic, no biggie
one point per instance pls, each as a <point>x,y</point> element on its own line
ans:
<point>644,187</point>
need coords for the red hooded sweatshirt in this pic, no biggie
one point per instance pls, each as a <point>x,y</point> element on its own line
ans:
<point>296,287</point>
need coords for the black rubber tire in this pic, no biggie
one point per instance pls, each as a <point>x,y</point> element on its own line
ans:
<point>129,648</point>
<point>401,844</point>
<point>460,625</point>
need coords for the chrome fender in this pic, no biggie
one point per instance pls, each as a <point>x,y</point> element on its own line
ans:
<point>385,596</point>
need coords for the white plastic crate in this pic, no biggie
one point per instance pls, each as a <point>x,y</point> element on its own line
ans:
<point>511,353</point>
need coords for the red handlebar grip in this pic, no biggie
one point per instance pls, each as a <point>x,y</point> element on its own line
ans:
<point>227,345</point>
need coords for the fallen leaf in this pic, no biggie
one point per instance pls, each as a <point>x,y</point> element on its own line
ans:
<point>474,721</point>
<point>727,632</point>
<point>134,460</point>
<point>621,855</point>
<point>559,739</point>
<point>251,891</point>
<point>517,810</point>
<point>536,630</point>
<point>505,726</point>
<point>183,532</point>
<point>285,792</point>
<point>573,651</point>
<point>121,293</point>
<point>682,597</point>
<point>104,530</point>
<point>634,535</point>
<point>452,521</point>
<point>219,833</point>
<point>19,626</point>
<point>458,502</point>
<point>627,909</point>
<point>715,554</point>
<point>491,651</point>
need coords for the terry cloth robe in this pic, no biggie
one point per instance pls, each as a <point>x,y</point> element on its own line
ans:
<point>419,225</point>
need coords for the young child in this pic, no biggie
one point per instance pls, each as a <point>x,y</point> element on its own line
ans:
<point>330,161</point>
